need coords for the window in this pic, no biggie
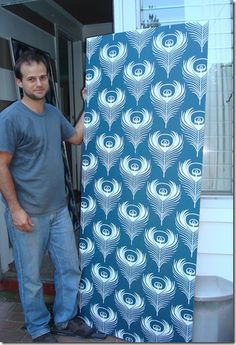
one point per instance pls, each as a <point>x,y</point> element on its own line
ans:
<point>218,146</point>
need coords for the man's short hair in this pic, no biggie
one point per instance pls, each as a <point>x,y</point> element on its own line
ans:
<point>28,57</point>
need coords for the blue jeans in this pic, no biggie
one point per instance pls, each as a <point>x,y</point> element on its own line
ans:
<point>53,233</point>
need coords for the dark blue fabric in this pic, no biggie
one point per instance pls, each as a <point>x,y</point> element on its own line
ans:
<point>141,181</point>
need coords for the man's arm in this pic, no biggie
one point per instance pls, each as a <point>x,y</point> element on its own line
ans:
<point>20,218</point>
<point>78,136</point>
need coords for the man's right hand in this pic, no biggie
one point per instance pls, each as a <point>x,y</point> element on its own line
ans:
<point>22,221</point>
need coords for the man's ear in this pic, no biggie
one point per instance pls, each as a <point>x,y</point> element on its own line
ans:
<point>18,82</point>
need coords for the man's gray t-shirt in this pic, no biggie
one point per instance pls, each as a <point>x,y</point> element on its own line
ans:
<point>37,165</point>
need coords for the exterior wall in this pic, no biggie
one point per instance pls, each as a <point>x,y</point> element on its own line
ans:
<point>215,247</point>
<point>12,26</point>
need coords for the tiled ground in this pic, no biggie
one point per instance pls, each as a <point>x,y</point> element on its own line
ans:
<point>11,315</point>
<point>11,331</point>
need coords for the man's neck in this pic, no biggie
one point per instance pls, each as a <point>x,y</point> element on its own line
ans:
<point>35,105</point>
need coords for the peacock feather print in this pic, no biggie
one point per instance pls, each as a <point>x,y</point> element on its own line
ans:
<point>187,225</point>
<point>198,32</point>
<point>133,218</point>
<point>163,197</point>
<point>92,45</point>
<point>185,273</point>
<point>139,39</point>
<point>128,337</point>
<point>131,263</point>
<point>111,103</point>
<point>112,58</point>
<point>138,77</point>
<point>89,168</point>
<point>167,98</point>
<point>136,125</point>
<point>161,245</point>
<point>93,78</point>
<point>91,123</point>
<point>165,148</point>
<point>135,172</point>
<point>190,174</point>
<point>107,193</point>
<point>195,75</point>
<point>107,237</point>
<point>105,280</point>
<point>85,292</point>
<point>169,49</point>
<point>141,181</point>
<point>183,321</point>
<point>192,124</point>
<point>130,306</point>
<point>159,291</point>
<point>86,251</point>
<point>88,209</point>
<point>157,331</point>
<point>105,319</point>
<point>109,148</point>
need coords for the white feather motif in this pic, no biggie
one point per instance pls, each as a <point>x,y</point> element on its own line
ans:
<point>165,149</point>
<point>131,263</point>
<point>112,58</point>
<point>106,237</point>
<point>167,99</point>
<point>85,292</point>
<point>130,306</point>
<point>192,123</point>
<point>163,197</point>
<point>184,273</point>
<point>108,194</point>
<point>111,104</point>
<point>87,211</point>
<point>188,224</point>
<point>140,38</point>
<point>105,280</point>
<point>190,173</point>
<point>198,32</point>
<point>195,75</point>
<point>105,319</point>
<point>109,149</point>
<point>135,172</point>
<point>128,337</point>
<point>161,245</point>
<point>133,218</point>
<point>92,79</point>
<point>138,77</point>
<point>159,291</point>
<point>91,123</point>
<point>91,46</point>
<point>89,169</point>
<point>169,48</point>
<point>86,251</point>
<point>182,318</point>
<point>157,331</point>
<point>136,125</point>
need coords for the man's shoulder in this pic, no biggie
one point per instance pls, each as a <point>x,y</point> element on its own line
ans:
<point>51,108</point>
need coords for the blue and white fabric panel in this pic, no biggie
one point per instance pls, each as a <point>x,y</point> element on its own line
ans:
<point>141,181</point>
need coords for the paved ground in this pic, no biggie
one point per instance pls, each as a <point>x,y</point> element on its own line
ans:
<point>11,324</point>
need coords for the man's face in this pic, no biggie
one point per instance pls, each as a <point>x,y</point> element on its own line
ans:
<point>34,81</point>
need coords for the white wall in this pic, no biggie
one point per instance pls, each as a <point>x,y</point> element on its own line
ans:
<point>215,246</point>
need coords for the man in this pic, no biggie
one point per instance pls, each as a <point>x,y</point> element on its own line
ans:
<point>33,189</point>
